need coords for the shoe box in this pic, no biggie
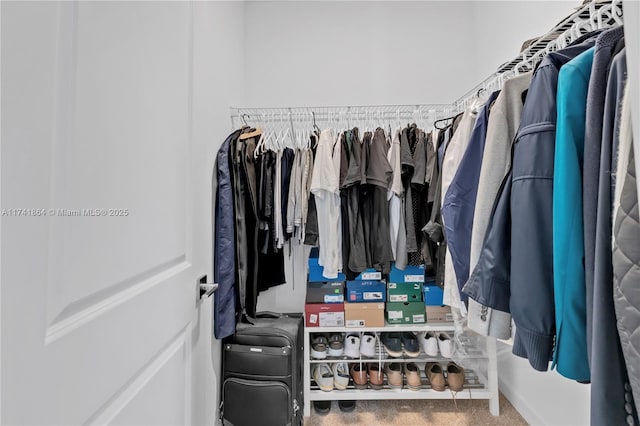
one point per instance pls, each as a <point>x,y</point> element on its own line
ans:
<point>324,314</point>
<point>366,291</point>
<point>410,274</point>
<point>315,271</point>
<point>325,292</point>
<point>438,314</point>
<point>364,314</point>
<point>406,312</point>
<point>369,275</point>
<point>404,292</point>
<point>432,294</point>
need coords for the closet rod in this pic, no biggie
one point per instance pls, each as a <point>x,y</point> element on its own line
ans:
<point>588,17</point>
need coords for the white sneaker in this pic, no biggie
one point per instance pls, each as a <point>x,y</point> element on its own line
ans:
<point>341,375</point>
<point>428,343</point>
<point>352,345</point>
<point>323,376</point>
<point>445,344</point>
<point>368,345</point>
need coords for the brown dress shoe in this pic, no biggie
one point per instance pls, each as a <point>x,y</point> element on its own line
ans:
<point>359,375</point>
<point>376,376</point>
<point>434,373</point>
<point>411,370</point>
<point>455,377</point>
<point>394,374</point>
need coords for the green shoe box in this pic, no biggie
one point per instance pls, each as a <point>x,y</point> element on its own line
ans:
<point>405,313</point>
<point>404,292</point>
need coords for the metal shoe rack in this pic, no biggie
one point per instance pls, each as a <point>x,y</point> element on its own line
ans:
<point>476,385</point>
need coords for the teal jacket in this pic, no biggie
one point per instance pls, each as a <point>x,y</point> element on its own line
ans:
<point>570,354</point>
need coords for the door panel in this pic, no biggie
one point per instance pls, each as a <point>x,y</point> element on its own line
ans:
<point>97,310</point>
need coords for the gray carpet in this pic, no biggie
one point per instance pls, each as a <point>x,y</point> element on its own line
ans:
<point>419,412</point>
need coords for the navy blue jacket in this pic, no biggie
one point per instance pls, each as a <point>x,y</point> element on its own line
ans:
<point>532,295</point>
<point>460,200</point>
<point>224,252</point>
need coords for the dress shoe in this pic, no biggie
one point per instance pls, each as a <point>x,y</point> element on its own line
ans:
<point>359,375</point>
<point>455,377</point>
<point>434,373</point>
<point>394,374</point>
<point>376,376</point>
<point>412,372</point>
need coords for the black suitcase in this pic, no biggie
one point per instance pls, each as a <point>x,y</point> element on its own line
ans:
<point>263,372</point>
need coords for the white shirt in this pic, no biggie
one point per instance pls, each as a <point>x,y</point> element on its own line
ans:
<point>325,187</point>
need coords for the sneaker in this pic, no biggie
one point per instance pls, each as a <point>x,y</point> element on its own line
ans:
<point>322,407</point>
<point>392,343</point>
<point>434,373</point>
<point>411,370</point>
<point>319,343</point>
<point>368,345</point>
<point>359,375</point>
<point>347,405</point>
<point>323,376</point>
<point>429,343</point>
<point>445,344</point>
<point>455,377</point>
<point>336,345</point>
<point>340,375</point>
<point>352,345</point>
<point>410,344</point>
<point>376,375</point>
<point>394,374</point>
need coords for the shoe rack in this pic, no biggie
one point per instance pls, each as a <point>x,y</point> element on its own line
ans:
<point>476,385</point>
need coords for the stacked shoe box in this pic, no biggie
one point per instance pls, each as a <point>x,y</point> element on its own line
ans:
<point>364,300</point>
<point>404,296</point>
<point>433,298</point>
<point>324,306</point>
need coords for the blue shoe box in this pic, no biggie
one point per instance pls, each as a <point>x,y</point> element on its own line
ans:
<point>411,274</point>
<point>432,294</point>
<point>366,291</point>
<point>315,276</point>
<point>369,275</point>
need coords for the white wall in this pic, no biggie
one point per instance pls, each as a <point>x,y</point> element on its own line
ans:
<point>542,398</point>
<point>390,52</point>
<point>500,28</point>
<point>218,84</point>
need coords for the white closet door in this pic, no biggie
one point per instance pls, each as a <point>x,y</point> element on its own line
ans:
<point>97,305</point>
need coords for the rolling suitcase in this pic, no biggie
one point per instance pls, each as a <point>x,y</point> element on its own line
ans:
<point>263,372</point>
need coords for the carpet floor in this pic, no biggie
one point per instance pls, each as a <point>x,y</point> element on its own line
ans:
<point>418,412</point>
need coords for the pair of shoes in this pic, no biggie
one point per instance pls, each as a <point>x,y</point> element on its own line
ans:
<point>356,345</point>
<point>333,377</point>
<point>455,376</point>
<point>430,342</point>
<point>398,343</point>
<point>323,345</point>
<point>394,371</point>
<point>370,373</point>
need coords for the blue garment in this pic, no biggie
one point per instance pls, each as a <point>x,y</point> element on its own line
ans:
<point>460,200</point>
<point>570,354</point>
<point>224,250</point>
<point>531,208</point>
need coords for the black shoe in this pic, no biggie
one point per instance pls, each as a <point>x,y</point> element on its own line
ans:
<point>347,406</point>
<point>322,407</point>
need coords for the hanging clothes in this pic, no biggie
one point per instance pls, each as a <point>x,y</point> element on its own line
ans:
<point>398,233</point>
<point>531,249</point>
<point>459,201</point>
<point>626,260</point>
<point>570,353</point>
<point>354,178</point>
<point>608,44</point>
<point>325,188</point>
<point>496,163</point>
<point>224,251</point>
<point>608,366</point>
